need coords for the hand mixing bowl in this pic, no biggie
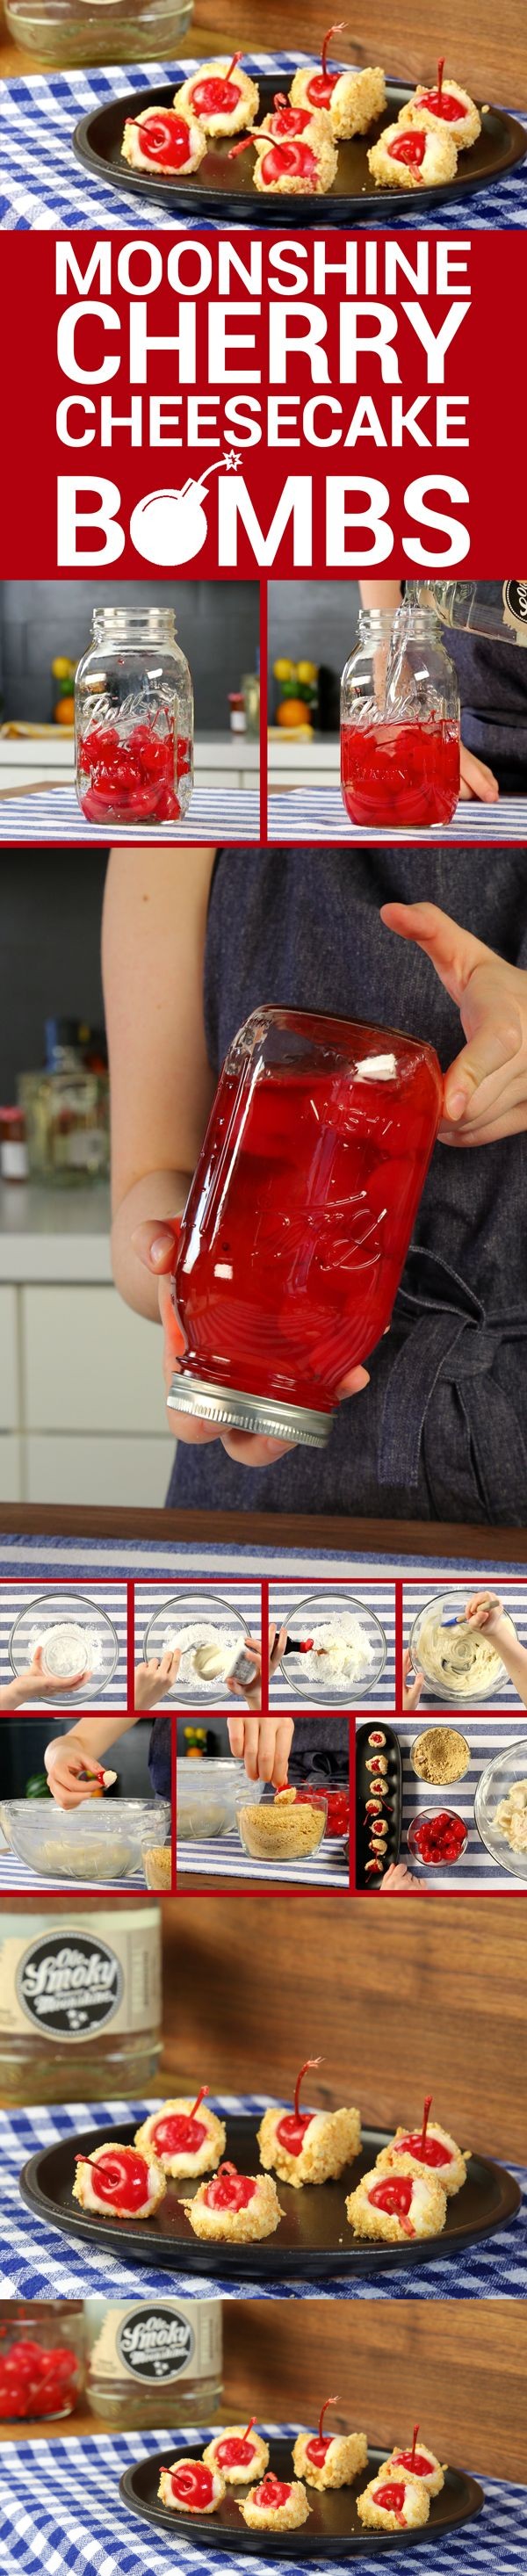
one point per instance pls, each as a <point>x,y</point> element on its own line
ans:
<point>496,1782</point>
<point>313,1610</point>
<point>48,1611</point>
<point>444,1692</point>
<point>201,1609</point>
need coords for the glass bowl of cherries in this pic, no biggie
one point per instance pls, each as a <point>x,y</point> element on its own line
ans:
<point>437,1838</point>
<point>41,2365</point>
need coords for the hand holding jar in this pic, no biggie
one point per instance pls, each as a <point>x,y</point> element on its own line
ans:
<point>486,1087</point>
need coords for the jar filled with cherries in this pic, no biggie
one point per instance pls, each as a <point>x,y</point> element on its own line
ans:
<point>134,720</point>
<point>41,2359</point>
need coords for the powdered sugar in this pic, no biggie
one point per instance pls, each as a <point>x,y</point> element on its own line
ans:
<point>341,1651</point>
<point>195,1633</point>
<point>67,1648</point>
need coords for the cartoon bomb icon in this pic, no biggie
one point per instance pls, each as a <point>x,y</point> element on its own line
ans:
<point>169,528</point>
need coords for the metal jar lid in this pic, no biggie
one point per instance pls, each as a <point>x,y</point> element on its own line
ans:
<point>276,1420</point>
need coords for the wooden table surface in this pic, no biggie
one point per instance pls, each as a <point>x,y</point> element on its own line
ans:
<point>297,1530</point>
<point>485,50</point>
<point>460,2367</point>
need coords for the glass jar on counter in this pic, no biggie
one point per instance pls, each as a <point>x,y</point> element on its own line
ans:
<point>14,1165</point>
<point>299,1217</point>
<point>134,720</point>
<point>80,1998</point>
<point>154,2361</point>
<point>66,1109</point>
<point>99,31</point>
<point>41,2359</point>
<point>400,723</point>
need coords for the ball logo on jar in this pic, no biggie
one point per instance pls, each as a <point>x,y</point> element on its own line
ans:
<point>156,2343</point>
<point>515,604</point>
<point>69,1985</point>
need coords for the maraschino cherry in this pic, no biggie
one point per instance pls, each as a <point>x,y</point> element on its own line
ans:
<point>409,147</point>
<point>394,2195</point>
<point>316,2450</point>
<point>431,2151</point>
<point>218,95</point>
<point>120,2177</point>
<point>238,2451</point>
<point>321,87</point>
<point>292,2129</point>
<point>229,2189</point>
<point>180,2133</point>
<point>288,120</point>
<point>417,2462</point>
<point>293,160</point>
<point>441,102</point>
<point>192,2483</point>
<point>165,140</point>
<point>391,2499</point>
<point>272,2493</point>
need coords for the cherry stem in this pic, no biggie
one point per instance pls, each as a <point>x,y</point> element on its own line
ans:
<point>249,2427</point>
<point>200,2097</point>
<point>416,2430</point>
<point>330,2401</point>
<point>427,2108</point>
<point>233,66</point>
<point>332,31</point>
<point>310,2061</point>
<point>440,70</point>
<point>241,147</point>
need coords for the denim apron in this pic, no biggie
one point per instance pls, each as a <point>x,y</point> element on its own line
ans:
<point>159,1757</point>
<point>440,1433</point>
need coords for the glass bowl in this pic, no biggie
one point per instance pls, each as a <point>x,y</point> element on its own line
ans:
<point>463,1756</point>
<point>96,1842</point>
<point>496,1782</point>
<point>335,1796</point>
<point>71,1609</point>
<point>207,1611</point>
<point>276,1832</point>
<point>207,1797</point>
<point>445,1692</point>
<point>311,1611</point>
<point>430,1816</point>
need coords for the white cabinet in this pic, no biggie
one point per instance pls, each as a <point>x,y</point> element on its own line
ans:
<point>82,1408</point>
<point>8,1360</point>
<point>11,1478</point>
<point>88,1363</point>
<point>96,1471</point>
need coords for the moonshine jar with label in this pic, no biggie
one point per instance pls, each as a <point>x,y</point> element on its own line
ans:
<point>299,1218</point>
<point>154,2361</point>
<point>134,720</point>
<point>400,723</point>
<point>99,31</point>
<point>80,1998</point>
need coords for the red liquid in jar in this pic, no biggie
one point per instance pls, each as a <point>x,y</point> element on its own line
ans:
<point>272,2494</point>
<point>229,2190</point>
<point>192,2484</point>
<point>440,1839</point>
<point>178,2135</point>
<point>300,1214</point>
<point>131,778</point>
<point>166,140</point>
<point>121,2178</point>
<point>394,774</point>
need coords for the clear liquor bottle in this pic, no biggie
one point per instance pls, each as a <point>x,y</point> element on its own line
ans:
<point>154,2361</point>
<point>80,1998</point>
<point>493,608</point>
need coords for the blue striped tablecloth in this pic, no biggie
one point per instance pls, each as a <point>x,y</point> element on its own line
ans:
<point>514,1597</point>
<point>36,2262</point>
<point>379,1597</point>
<point>43,187</point>
<point>35,1557</point>
<point>149,1600</point>
<point>14,1599</point>
<point>216,815</point>
<point>317,814</point>
<point>14,1874</point>
<point>61,2510</point>
<point>477,1870</point>
<point>225,1858</point>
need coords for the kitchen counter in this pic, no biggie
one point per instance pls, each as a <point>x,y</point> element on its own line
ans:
<point>53,1233</point>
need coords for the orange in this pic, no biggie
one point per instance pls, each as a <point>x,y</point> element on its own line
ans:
<point>65,711</point>
<point>293,711</point>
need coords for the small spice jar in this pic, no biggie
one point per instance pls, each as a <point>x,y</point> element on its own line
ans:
<point>13,1147</point>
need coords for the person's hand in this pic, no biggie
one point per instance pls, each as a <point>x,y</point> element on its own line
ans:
<point>485,1094</point>
<point>249,1691</point>
<point>154,1680</point>
<point>484,1610</point>
<point>411,1689</point>
<point>155,1245</point>
<point>71,1772</point>
<point>398,1881</point>
<point>476,780</point>
<point>277,1641</point>
<point>34,1684</point>
<point>264,1745</point>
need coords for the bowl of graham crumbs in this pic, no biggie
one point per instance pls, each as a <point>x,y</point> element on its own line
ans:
<point>283,1828</point>
<point>440,1755</point>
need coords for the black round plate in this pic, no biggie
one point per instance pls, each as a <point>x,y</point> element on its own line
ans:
<point>314,2237</point>
<point>333,2530</point>
<point>224,189</point>
<point>365,1788</point>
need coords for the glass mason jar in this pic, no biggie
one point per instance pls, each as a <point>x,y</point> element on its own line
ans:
<point>99,31</point>
<point>400,723</point>
<point>134,720</point>
<point>153,2361</point>
<point>299,1217</point>
<point>80,1998</point>
<point>41,2360</point>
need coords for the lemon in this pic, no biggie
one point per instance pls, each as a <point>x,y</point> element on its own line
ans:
<point>307,671</point>
<point>284,670</point>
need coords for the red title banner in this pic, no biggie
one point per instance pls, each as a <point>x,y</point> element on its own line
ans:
<point>249,403</point>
